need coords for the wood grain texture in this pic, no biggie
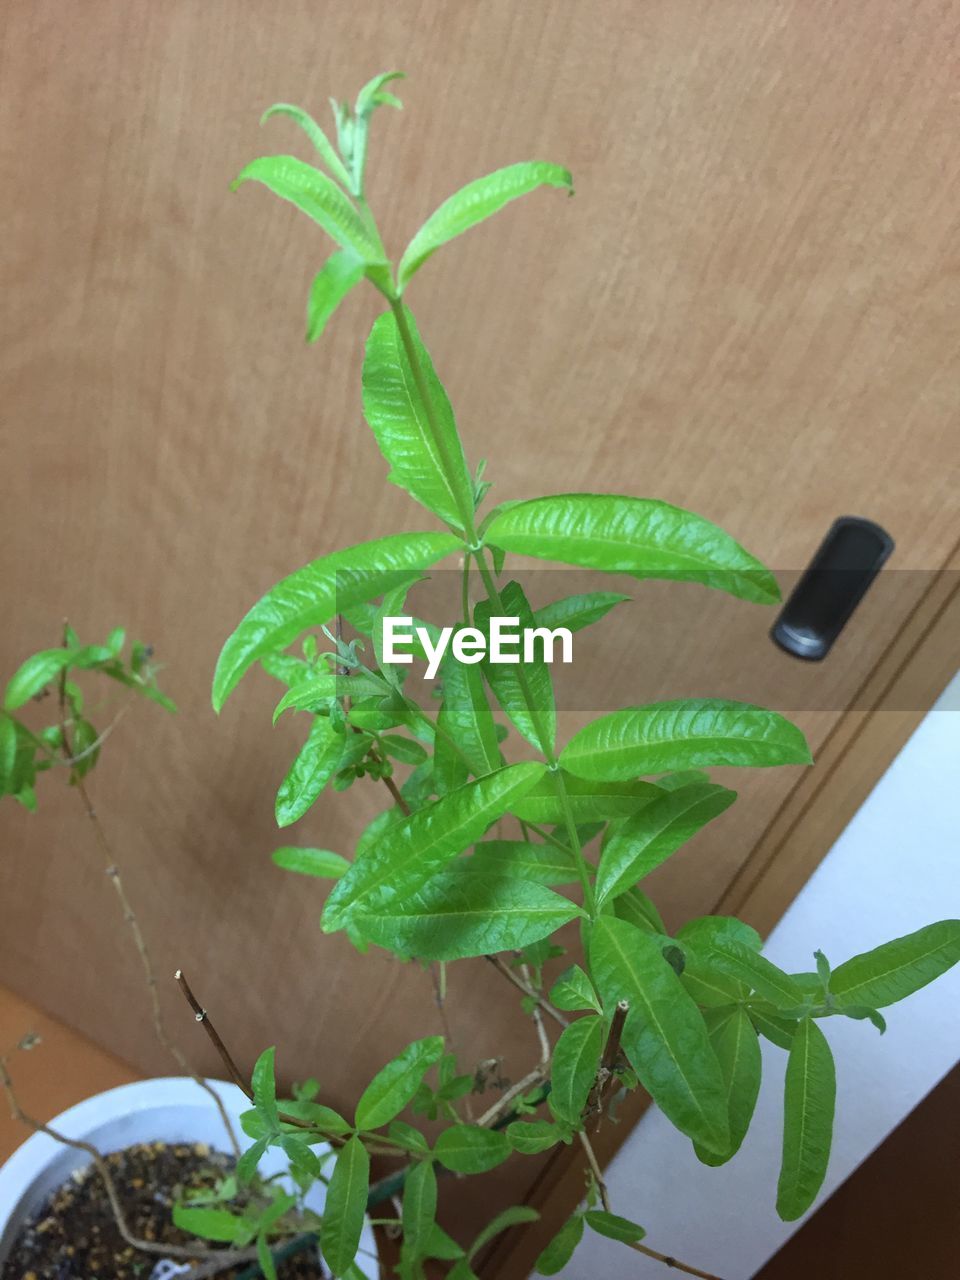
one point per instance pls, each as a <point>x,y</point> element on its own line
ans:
<point>747,309</point>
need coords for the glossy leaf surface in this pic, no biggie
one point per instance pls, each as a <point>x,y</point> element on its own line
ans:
<point>682,734</point>
<point>737,1047</point>
<point>896,969</point>
<point>395,1084</point>
<point>345,1206</point>
<point>317,196</point>
<point>338,275</point>
<point>312,595</point>
<point>660,828</point>
<point>431,467</point>
<point>459,914</point>
<point>809,1099</point>
<point>408,854</point>
<point>664,1037</point>
<point>474,203</point>
<point>576,1060</point>
<point>642,537</point>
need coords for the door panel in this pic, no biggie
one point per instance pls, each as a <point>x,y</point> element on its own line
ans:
<point>748,309</point>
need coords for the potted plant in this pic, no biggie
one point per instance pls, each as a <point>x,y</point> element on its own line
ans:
<point>579,824</point>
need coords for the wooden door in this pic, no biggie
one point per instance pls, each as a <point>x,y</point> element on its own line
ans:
<point>748,309</point>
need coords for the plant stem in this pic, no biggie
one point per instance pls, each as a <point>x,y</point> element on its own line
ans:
<point>518,982</point>
<point>465,590</point>
<point>130,918</point>
<point>665,1258</point>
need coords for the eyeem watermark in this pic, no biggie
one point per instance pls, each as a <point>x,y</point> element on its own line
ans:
<point>508,642</point>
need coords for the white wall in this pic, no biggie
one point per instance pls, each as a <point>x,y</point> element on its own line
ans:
<point>894,869</point>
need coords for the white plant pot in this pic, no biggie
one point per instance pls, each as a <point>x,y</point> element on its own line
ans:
<point>169,1109</point>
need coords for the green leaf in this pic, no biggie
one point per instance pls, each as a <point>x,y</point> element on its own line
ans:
<point>861,1013</point>
<point>577,612</point>
<point>345,1207</point>
<point>573,990</point>
<point>683,778</point>
<point>576,1060</point>
<point>264,1086</point>
<point>642,537</point>
<point>403,749</point>
<point>322,1118</point>
<point>895,970</point>
<point>419,1204</point>
<point>461,1270</point>
<point>778,1029</point>
<point>431,468</point>
<point>325,148</point>
<point>467,716</point>
<point>439,1245</point>
<point>315,764</point>
<point>247,1164</point>
<point>302,1160</point>
<point>590,801</point>
<point>322,863</point>
<point>84,752</point>
<point>338,275</point>
<point>265,1258</point>
<point>613,1226</point>
<point>512,1217</point>
<point>737,1047</point>
<point>409,853</point>
<point>808,1105</point>
<point>648,838</point>
<point>409,1137</point>
<point>474,203</point>
<point>312,595</point>
<point>466,1148</point>
<point>536,863</point>
<point>450,770</point>
<point>561,1248</point>
<point>209,1224</point>
<point>512,683</point>
<point>664,1037</point>
<point>760,974</point>
<point>459,914</point>
<point>635,907</point>
<point>681,734</point>
<point>317,196</point>
<point>8,754</point>
<point>395,1084</point>
<point>530,1137</point>
<point>705,931</point>
<point>34,675</point>
<point>708,985</point>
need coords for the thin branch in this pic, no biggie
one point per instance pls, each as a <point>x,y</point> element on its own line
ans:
<point>201,1016</point>
<point>608,1062</point>
<point>595,1170</point>
<point>502,1105</point>
<point>545,1005</point>
<point>438,976</point>
<point>665,1258</point>
<point>398,799</point>
<point>129,916</point>
<point>224,1257</point>
<point>538,1022</point>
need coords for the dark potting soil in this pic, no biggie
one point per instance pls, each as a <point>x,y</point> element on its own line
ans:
<point>74,1235</point>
